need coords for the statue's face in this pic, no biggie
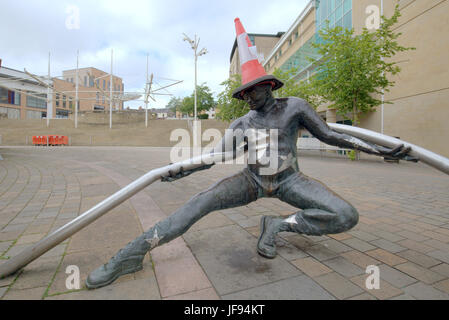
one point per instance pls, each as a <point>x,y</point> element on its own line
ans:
<point>257,96</point>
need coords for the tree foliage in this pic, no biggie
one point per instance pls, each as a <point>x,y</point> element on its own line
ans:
<point>174,104</point>
<point>205,100</point>
<point>293,88</point>
<point>354,68</point>
<point>229,108</point>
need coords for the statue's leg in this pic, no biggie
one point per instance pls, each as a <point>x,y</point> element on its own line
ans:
<point>324,212</point>
<point>234,191</point>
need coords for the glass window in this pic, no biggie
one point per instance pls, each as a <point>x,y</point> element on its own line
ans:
<point>331,20</point>
<point>347,20</point>
<point>64,101</point>
<point>85,81</point>
<point>57,99</point>
<point>339,23</point>
<point>9,97</point>
<point>104,84</point>
<point>347,5</point>
<point>339,13</point>
<point>37,101</point>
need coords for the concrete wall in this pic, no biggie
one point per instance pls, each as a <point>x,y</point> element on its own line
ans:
<point>127,130</point>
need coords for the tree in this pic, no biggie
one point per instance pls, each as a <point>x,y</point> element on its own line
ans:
<point>293,88</point>
<point>354,68</point>
<point>174,104</point>
<point>229,108</point>
<point>205,100</point>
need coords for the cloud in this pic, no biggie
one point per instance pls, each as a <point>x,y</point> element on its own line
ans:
<point>133,29</point>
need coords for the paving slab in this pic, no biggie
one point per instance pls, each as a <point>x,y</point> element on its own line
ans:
<point>229,258</point>
<point>338,285</point>
<point>423,291</point>
<point>296,288</point>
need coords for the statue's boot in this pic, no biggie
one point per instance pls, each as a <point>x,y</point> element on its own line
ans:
<point>127,260</point>
<point>269,227</point>
<point>314,222</point>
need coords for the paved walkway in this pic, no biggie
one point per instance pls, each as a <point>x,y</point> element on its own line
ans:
<point>403,229</point>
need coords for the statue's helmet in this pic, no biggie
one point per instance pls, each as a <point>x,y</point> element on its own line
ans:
<point>253,73</point>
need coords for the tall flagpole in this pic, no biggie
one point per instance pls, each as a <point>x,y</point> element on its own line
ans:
<point>110,95</point>
<point>49,95</point>
<point>146,98</point>
<point>76,90</point>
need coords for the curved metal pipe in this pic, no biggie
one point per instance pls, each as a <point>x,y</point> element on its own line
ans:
<point>428,157</point>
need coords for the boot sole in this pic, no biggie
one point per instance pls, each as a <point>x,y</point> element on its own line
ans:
<point>262,231</point>
<point>122,273</point>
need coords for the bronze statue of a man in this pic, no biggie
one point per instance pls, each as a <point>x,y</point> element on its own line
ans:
<point>322,210</point>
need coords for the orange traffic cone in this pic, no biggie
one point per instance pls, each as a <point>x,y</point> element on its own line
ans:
<point>252,71</point>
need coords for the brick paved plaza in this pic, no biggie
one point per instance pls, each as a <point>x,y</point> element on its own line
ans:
<point>403,229</point>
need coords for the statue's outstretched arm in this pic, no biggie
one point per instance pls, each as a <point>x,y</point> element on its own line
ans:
<point>310,120</point>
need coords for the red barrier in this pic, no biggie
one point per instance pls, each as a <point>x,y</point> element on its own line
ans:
<point>53,140</point>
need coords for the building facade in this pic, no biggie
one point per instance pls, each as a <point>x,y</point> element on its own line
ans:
<point>419,101</point>
<point>264,44</point>
<point>21,96</point>
<point>94,89</point>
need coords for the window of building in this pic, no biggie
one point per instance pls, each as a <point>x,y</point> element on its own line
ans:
<point>70,102</point>
<point>57,99</point>
<point>64,101</point>
<point>290,42</point>
<point>85,81</point>
<point>62,114</point>
<point>37,101</point>
<point>10,97</point>
<point>98,97</point>
<point>336,12</point>
<point>98,83</point>
<point>104,84</point>
<point>296,35</point>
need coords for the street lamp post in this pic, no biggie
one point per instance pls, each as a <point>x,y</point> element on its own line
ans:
<point>196,124</point>
<point>194,45</point>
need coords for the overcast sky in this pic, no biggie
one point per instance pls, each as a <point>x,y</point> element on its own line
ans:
<point>133,28</point>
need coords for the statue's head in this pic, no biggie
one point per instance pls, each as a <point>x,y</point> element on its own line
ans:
<point>257,96</point>
<point>253,73</point>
